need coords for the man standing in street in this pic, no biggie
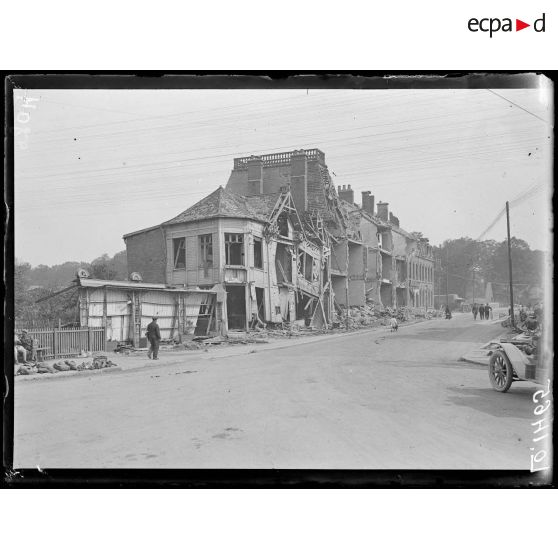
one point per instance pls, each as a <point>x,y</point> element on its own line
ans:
<point>153,335</point>
<point>481,311</point>
<point>475,310</point>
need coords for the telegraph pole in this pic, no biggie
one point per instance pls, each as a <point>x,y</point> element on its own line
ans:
<point>473,285</point>
<point>447,276</point>
<point>347,289</point>
<point>510,264</point>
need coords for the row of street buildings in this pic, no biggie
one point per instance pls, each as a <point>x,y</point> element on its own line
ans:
<point>280,243</point>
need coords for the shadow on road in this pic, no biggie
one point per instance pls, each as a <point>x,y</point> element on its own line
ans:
<point>466,333</point>
<point>442,364</point>
<point>516,403</point>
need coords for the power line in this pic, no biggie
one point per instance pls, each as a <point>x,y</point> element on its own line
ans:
<point>518,106</point>
<point>518,200</point>
<point>492,224</point>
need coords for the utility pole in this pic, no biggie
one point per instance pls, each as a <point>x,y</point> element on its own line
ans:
<point>447,276</point>
<point>347,289</point>
<point>473,285</point>
<point>510,264</point>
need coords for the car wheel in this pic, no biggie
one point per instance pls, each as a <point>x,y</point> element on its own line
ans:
<point>500,371</point>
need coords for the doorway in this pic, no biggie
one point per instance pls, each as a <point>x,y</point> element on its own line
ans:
<point>236,307</point>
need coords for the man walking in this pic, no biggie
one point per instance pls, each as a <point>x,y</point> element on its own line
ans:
<point>481,311</point>
<point>475,311</point>
<point>487,312</point>
<point>153,335</point>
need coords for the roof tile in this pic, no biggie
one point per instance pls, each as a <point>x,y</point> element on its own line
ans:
<point>223,203</point>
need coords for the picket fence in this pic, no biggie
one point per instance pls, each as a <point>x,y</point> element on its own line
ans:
<point>66,343</point>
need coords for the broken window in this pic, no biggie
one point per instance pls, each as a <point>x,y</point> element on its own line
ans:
<point>234,249</point>
<point>308,264</point>
<point>179,246</point>
<point>206,249</point>
<point>283,264</point>
<point>205,244</point>
<point>258,259</point>
<point>305,266</point>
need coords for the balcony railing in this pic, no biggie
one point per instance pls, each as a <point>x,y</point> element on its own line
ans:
<point>277,159</point>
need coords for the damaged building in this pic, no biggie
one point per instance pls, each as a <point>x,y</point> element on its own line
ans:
<point>281,244</point>
<point>252,249</point>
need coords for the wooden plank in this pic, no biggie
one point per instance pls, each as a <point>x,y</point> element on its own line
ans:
<point>56,343</point>
<point>282,270</point>
<point>105,305</point>
<point>210,320</point>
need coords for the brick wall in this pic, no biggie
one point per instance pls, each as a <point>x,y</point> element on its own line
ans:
<point>238,182</point>
<point>146,254</point>
<point>275,178</point>
<point>316,188</point>
<point>400,244</point>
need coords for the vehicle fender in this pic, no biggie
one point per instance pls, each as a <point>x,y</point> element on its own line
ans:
<point>517,358</point>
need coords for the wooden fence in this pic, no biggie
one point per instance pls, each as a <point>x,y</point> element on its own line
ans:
<point>33,323</point>
<point>66,343</point>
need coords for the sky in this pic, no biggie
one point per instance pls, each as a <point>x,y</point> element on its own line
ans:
<point>93,165</point>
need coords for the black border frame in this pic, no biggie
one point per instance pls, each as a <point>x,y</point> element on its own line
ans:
<point>231,478</point>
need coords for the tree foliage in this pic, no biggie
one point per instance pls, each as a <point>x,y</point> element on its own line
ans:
<point>489,259</point>
<point>31,284</point>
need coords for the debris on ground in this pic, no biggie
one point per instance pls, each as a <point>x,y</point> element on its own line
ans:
<point>189,346</point>
<point>124,348</point>
<point>98,362</point>
<point>375,315</point>
<point>214,340</point>
<point>26,369</point>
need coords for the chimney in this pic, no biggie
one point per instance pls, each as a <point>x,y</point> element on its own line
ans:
<point>383,212</point>
<point>255,175</point>
<point>299,179</point>
<point>347,194</point>
<point>368,202</point>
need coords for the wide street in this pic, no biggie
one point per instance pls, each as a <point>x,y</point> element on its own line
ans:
<point>371,399</point>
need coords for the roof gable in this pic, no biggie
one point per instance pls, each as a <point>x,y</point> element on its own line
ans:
<point>222,203</point>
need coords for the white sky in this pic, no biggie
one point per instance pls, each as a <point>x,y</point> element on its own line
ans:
<point>99,164</point>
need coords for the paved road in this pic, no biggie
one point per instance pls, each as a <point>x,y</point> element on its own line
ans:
<point>368,400</point>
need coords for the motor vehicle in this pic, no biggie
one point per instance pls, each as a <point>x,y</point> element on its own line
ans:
<point>517,359</point>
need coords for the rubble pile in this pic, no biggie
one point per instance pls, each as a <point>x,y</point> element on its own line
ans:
<point>371,315</point>
<point>97,363</point>
<point>292,330</point>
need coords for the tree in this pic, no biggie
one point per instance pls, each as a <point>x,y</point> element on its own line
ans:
<point>22,297</point>
<point>490,261</point>
<point>103,268</point>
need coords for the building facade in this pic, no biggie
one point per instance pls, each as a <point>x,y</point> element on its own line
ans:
<point>284,245</point>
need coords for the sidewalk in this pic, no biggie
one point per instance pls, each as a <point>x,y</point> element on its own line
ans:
<point>139,360</point>
<point>480,354</point>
